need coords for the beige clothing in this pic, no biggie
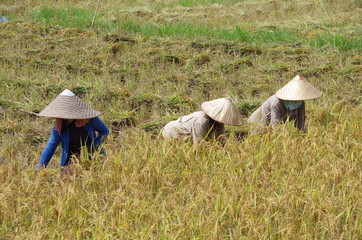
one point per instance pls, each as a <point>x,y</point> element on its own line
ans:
<point>195,126</point>
<point>273,111</point>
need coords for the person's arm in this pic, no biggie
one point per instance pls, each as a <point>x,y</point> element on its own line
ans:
<point>275,114</point>
<point>219,129</point>
<point>199,132</point>
<point>300,121</point>
<point>49,150</point>
<point>200,128</point>
<point>101,128</point>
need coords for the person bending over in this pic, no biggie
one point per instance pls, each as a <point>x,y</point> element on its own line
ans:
<point>286,105</point>
<point>205,124</point>
<point>76,125</point>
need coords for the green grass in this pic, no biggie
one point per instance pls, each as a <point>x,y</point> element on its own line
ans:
<point>81,18</point>
<point>73,17</point>
<point>195,31</point>
<point>192,3</point>
<point>68,17</point>
<point>338,40</point>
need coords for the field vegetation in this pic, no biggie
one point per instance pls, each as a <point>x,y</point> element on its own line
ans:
<point>145,63</point>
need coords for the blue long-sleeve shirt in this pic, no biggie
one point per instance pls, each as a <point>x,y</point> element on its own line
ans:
<point>94,125</point>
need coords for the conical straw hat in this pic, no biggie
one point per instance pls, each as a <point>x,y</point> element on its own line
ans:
<point>298,89</point>
<point>68,106</point>
<point>222,110</point>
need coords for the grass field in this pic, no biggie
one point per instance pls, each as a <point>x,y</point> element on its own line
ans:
<point>145,63</point>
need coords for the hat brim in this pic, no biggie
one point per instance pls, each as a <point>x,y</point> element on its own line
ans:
<point>68,107</point>
<point>222,110</point>
<point>298,89</point>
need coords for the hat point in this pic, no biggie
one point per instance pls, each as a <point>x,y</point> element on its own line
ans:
<point>299,77</point>
<point>67,92</point>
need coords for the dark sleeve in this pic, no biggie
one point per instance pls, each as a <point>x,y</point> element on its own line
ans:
<point>49,150</point>
<point>199,131</point>
<point>200,128</point>
<point>300,121</point>
<point>101,129</point>
<point>275,114</point>
<point>217,130</point>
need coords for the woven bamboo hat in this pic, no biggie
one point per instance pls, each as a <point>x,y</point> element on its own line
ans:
<point>68,106</point>
<point>298,89</point>
<point>222,110</point>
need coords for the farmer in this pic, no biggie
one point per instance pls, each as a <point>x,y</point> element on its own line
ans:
<point>76,125</point>
<point>286,104</point>
<point>205,124</point>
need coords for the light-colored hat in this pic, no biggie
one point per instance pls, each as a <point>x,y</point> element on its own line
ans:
<point>68,106</point>
<point>222,110</point>
<point>298,89</point>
